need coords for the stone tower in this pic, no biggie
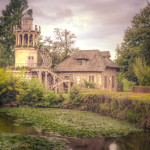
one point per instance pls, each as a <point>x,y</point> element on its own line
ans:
<point>26,53</point>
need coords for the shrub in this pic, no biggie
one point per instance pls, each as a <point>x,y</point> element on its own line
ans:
<point>89,84</point>
<point>119,78</point>
<point>32,93</point>
<point>52,99</point>
<point>9,87</point>
<point>142,72</point>
<point>74,92</point>
<point>76,98</point>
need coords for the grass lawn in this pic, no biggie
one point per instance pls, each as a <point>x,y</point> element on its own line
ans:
<point>70,123</point>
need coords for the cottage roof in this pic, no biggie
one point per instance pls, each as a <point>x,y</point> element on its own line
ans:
<point>27,17</point>
<point>92,60</point>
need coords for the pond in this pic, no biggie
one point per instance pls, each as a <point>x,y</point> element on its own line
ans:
<point>133,141</point>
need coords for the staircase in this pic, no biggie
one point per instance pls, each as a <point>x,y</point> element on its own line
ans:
<point>57,81</point>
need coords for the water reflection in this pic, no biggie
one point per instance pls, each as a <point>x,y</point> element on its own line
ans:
<point>133,141</point>
<point>7,125</point>
<point>113,146</point>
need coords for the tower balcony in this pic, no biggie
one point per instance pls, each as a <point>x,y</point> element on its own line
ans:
<point>27,27</point>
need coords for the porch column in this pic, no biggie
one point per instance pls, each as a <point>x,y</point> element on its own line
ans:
<point>33,40</point>
<point>40,76</point>
<point>28,38</point>
<point>22,39</point>
<point>18,38</point>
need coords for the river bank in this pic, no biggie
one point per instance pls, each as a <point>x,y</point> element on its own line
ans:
<point>128,106</point>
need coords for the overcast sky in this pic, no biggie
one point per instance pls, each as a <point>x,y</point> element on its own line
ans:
<point>97,24</point>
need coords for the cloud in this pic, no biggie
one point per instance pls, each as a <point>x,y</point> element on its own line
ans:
<point>3,4</point>
<point>98,24</point>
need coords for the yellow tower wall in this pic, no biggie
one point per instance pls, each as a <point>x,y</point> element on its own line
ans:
<point>21,56</point>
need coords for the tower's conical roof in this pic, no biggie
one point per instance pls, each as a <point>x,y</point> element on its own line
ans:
<point>27,17</point>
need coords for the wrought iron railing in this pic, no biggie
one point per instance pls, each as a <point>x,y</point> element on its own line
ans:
<point>27,27</point>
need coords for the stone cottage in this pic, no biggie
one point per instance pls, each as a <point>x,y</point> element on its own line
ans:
<point>90,65</point>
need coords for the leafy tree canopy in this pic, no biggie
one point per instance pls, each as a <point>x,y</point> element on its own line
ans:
<point>11,16</point>
<point>136,43</point>
<point>61,47</point>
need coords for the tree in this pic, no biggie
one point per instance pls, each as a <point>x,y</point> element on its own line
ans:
<point>61,47</point>
<point>136,43</point>
<point>142,72</point>
<point>11,16</point>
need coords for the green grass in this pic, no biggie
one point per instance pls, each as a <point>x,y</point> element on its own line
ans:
<point>71,123</point>
<point>141,97</point>
<point>19,142</point>
<point>127,85</point>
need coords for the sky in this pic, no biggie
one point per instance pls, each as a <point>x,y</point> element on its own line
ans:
<point>97,24</point>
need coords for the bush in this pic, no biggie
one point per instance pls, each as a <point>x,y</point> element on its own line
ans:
<point>142,72</point>
<point>76,98</point>
<point>89,84</point>
<point>52,99</point>
<point>32,93</point>
<point>74,92</point>
<point>9,87</point>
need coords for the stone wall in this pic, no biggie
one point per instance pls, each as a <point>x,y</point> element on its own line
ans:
<point>79,77</point>
<point>21,56</point>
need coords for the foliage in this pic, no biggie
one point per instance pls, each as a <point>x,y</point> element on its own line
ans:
<point>10,16</point>
<point>127,85</point>
<point>9,87</point>
<point>61,47</point>
<point>51,99</point>
<point>118,105</point>
<point>3,54</point>
<point>20,142</point>
<point>18,89</point>
<point>136,43</point>
<point>119,78</point>
<point>33,92</point>
<point>74,92</point>
<point>71,123</point>
<point>142,72</point>
<point>89,84</point>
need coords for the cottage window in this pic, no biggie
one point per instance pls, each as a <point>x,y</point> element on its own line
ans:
<point>105,81</point>
<point>79,62</point>
<point>91,78</point>
<point>113,81</point>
